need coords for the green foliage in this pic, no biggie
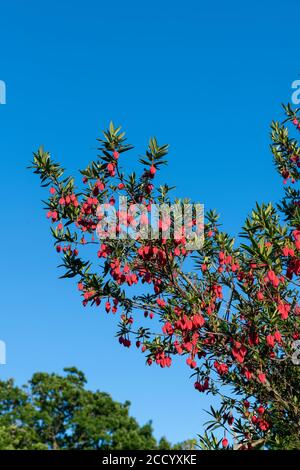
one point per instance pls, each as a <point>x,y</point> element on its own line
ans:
<point>235,318</point>
<point>57,412</point>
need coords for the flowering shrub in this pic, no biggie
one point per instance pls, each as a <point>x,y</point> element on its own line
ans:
<point>235,318</point>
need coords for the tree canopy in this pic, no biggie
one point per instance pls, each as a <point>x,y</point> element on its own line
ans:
<point>234,316</point>
<point>57,412</point>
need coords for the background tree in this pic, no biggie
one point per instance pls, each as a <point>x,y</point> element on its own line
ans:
<point>57,412</point>
<point>235,317</point>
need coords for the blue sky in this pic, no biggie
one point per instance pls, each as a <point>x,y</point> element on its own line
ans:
<point>206,77</point>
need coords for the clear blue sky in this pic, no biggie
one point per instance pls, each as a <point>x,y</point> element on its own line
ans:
<point>207,77</point>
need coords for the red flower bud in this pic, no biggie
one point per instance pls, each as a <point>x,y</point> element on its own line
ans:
<point>225,442</point>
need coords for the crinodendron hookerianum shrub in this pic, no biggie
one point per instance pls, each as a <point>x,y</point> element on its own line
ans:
<point>234,319</point>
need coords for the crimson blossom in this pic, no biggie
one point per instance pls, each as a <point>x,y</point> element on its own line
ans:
<point>229,308</point>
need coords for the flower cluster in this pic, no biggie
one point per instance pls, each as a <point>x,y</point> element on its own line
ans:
<point>234,318</point>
